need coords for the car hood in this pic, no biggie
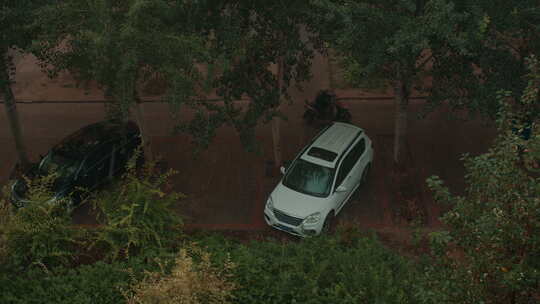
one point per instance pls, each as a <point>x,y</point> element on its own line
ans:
<point>295,203</point>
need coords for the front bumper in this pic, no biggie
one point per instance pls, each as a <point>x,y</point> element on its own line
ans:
<point>301,230</point>
<point>16,201</point>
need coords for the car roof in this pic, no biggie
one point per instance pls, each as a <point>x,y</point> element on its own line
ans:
<point>85,140</point>
<point>334,140</point>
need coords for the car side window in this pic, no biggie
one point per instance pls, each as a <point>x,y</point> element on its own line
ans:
<point>359,149</point>
<point>350,160</point>
<point>345,168</point>
<point>340,175</point>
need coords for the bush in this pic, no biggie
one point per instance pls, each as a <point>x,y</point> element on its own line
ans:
<point>192,280</point>
<point>135,213</point>
<point>97,283</point>
<point>337,269</point>
<point>39,233</point>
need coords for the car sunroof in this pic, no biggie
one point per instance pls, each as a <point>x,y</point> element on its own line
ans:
<point>322,154</point>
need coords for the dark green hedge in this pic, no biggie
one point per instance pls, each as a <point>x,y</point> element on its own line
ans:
<point>97,283</point>
<point>317,270</point>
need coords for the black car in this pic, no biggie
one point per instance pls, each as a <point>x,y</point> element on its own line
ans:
<point>87,159</point>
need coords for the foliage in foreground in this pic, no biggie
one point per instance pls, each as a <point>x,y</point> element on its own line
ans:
<point>43,256</point>
<point>491,251</point>
<point>137,214</point>
<point>96,283</point>
<point>39,234</point>
<point>345,268</point>
<point>193,279</point>
<point>160,277</point>
<point>134,215</point>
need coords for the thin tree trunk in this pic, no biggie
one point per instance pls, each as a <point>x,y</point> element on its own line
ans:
<point>401,98</point>
<point>139,117</point>
<point>12,114</point>
<point>276,136</point>
<point>330,60</point>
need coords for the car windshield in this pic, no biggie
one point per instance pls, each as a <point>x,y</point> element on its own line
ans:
<point>54,162</point>
<point>309,178</point>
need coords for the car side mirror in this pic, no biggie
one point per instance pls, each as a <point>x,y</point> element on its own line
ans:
<point>341,189</point>
<point>283,170</point>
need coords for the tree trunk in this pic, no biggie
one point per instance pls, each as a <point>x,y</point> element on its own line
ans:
<point>330,62</point>
<point>401,98</point>
<point>139,117</point>
<point>276,136</point>
<point>11,112</point>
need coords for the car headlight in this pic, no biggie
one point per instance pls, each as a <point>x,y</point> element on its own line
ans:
<point>270,203</point>
<point>13,191</point>
<point>312,218</point>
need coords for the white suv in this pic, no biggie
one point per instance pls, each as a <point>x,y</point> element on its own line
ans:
<point>320,180</point>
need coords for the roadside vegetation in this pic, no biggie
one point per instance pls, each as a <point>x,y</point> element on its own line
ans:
<point>139,254</point>
<point>349,267</point>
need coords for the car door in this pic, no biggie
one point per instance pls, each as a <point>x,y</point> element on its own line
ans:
<point>362,159</point>
<point>343,181</point>
<point>355,161</point>
<point>96,168</point>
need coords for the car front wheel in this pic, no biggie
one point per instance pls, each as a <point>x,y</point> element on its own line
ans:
<point>328,226</point>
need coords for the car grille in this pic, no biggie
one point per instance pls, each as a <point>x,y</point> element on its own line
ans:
<point>286,229</point>
<point>285,218</point>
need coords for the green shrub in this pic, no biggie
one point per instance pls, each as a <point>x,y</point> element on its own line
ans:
<point>135,213</point>
<point>317,270</point>
<point>41,232</point>
<point>97,283</point>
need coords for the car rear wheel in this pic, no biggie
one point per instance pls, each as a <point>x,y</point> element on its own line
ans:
<point>365,174</point>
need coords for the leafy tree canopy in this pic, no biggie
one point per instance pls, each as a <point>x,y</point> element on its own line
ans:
<point>390,39</point>
<point>120,44</point>
<point>195,46</point>
<point>460,52</point>
<point>490,253</point>
<point>508,33</point>
<point>247,39</point>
